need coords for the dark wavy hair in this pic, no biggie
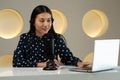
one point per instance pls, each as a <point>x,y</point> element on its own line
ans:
<point>38,10</point>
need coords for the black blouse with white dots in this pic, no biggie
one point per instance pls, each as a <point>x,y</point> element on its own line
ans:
<point>31,50</point>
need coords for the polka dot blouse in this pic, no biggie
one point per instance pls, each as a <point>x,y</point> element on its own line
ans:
<point>31,50</point>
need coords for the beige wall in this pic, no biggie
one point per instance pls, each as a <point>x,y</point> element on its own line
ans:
<point>78,42</point>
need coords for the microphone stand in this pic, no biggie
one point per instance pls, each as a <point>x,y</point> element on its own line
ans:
<point>51,64</point>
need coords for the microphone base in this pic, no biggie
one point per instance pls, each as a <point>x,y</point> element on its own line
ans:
<point>50,66</point>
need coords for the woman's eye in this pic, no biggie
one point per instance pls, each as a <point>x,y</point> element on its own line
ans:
<point>41,20</point>
<point>49,20</point>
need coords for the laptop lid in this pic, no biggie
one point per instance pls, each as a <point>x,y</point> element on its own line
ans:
<point>106,53</point>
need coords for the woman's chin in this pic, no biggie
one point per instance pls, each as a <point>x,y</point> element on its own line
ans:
<point>45,33</point>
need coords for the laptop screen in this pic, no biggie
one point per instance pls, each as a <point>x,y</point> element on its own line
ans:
<point>106,54</point>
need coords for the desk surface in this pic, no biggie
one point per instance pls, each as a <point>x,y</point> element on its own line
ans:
<point>62,73</point>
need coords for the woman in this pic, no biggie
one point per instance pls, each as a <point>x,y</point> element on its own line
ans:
<point>30,51</point>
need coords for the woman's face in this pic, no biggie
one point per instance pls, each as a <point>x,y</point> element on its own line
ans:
<point>43,24</point>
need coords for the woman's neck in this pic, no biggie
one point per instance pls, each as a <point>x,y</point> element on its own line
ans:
<point>38,34</point>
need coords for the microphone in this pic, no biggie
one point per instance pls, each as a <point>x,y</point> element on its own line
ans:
<point>49,44</point>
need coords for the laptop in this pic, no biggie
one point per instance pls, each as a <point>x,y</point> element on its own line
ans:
<point>106,55</point>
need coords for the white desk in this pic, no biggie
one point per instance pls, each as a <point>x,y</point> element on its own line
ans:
<point>60,74</point>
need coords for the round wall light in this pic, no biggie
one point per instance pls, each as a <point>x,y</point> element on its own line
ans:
<point>11,23</point>
<point>95,23</point>
<point>60,21</point>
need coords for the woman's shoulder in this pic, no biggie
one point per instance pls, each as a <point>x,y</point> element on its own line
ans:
<point>25,35</point>
<point>60,37</point>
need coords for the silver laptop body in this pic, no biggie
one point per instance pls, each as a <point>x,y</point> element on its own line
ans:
<point>106,55</point>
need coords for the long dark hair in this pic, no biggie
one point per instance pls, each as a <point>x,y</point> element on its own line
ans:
<point>38,10</point>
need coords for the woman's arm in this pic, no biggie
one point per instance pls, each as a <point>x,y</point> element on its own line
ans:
<point>19,58</point>
<point>65,54</point>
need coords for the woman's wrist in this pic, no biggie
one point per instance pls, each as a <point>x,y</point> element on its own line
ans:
<point>41,64</point>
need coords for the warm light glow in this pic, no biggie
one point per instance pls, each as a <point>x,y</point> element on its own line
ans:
<point>60,21</point>
<point>89,57</point>
<point>11,23</point>
<point>95,23</point>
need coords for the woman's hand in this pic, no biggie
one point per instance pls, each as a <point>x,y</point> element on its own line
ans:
<point>58,63</point>
<point>83,64</point>
<point>42,64</point>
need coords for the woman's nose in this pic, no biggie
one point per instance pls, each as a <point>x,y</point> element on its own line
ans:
<point>46,23</point>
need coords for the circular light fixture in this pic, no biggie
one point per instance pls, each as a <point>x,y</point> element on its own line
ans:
<point>11,23</point>
<point>95,23</point>
<point>60,21</point>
